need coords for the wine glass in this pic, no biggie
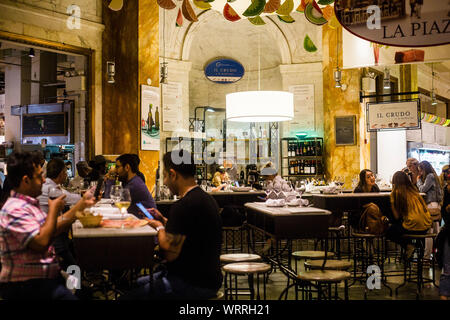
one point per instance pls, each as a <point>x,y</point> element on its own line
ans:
<point>123,203</point>
<point>115,193</point>
<point>204,185</point>
<point>340,181</point>
<point>251,180</point>
<point>54,192</point>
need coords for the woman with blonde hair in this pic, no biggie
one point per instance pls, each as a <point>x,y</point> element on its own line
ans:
<point>409,210</point>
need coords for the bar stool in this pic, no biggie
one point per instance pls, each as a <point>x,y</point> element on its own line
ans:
<point>335,235</point>
<point>369,249</point>
<point>417,277</point>
<point>239,257</point>
<point>320,281</point>
<point>312,255</point>
<point>341,265</point>
<point>245,268</point>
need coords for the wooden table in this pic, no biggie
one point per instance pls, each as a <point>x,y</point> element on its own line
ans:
<point>109,248</point>
<point>288,222</point>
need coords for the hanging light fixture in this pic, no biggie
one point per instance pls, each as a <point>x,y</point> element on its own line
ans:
<point>433,94</point>
<point>337,78</point>
<point>387,79</point>
<point>164,65</point>
<point>259,106</point>
<point>337,72</point>
<point>31,53</point>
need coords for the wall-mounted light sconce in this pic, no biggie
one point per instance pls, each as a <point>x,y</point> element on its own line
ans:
<point>31,53</point>
<point>164,72</point>
<point>111,70</point>
<point>337,78</point>
<point>387,79</point>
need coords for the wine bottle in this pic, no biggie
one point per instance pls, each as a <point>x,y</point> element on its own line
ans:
<point>291,168</point>
<point>242,176</point>
<point>150,118</point>
<point>156,118</point>
<point>313,167</point>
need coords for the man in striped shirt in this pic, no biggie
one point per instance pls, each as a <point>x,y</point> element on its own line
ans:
<point>29,266</point>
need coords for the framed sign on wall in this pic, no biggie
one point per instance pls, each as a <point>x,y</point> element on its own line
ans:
<point>345,130</point>
<point>397,115</point>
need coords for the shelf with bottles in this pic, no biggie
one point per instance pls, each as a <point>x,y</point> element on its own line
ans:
<point>302,157</point>
<point>306,147</point>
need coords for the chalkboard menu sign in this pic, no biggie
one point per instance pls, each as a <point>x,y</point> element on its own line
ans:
<point>44,124</point>
<point>345,130</point>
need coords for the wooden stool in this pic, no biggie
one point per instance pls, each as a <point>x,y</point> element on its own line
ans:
<point>238,257</point>
<point>342,265</point>
<point>312,255</point>
<point>245,268</point>
<point>335,235</point>
<point>322,281</point>
<point>369,249</point>
<point>417,277</point>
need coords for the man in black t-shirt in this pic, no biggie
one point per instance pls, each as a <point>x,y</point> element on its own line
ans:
<point>190,240</point>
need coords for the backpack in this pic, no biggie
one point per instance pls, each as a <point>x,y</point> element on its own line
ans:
<point>372,221</point>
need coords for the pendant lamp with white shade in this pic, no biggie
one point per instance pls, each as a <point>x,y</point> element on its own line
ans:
<point>259,106</point>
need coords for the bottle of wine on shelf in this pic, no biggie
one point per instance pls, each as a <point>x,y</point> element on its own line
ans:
<point>313,167</point>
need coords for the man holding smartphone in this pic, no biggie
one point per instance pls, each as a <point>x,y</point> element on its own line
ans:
<point>190,241</point>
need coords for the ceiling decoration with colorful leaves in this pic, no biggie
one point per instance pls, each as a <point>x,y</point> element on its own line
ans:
<point>317,12</point>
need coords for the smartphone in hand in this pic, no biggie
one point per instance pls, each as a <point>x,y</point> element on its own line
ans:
<point>144,211</point>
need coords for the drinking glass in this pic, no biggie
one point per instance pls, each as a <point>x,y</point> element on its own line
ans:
<point>204,185</point>
<point>54,192</point>
<point>115,193</point>
<point>251,180</point>
<point>123,203</point>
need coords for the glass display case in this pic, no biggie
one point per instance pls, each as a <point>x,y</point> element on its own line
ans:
<point>437,156</point>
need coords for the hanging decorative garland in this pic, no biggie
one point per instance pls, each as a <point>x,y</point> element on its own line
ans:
<point>316,12</point>
<point>431,118</point>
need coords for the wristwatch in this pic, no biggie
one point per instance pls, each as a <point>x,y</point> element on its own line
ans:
<point>159,228</point>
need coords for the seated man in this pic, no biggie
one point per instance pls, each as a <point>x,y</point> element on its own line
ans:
<point>190,240</point>
<point>56,175</point>
<point>29,267</point>
<point>83,171</point>
<point>126,169</point>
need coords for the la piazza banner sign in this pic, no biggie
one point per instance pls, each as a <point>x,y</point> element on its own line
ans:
<point>400,23</point>
<point>393,115</point>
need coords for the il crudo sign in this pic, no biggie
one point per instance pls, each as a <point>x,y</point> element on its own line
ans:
<point>224,71</point>
<point>398,23</point>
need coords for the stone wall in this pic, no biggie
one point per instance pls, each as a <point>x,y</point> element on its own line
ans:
<point>47,20</point>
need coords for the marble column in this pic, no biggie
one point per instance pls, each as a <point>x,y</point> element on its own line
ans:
<point>340,160</point>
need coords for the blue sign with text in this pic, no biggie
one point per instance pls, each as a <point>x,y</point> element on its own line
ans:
<point>224,71</point>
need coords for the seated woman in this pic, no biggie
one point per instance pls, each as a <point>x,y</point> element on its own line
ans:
<point>366,182</point>
<point>220,178</point>
<point>409,210</point>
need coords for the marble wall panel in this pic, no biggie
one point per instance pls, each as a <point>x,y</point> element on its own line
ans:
<point>340,160</point>
<point>148,56</point>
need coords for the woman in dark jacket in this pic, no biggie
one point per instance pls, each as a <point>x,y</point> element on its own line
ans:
<point>366,182</point>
